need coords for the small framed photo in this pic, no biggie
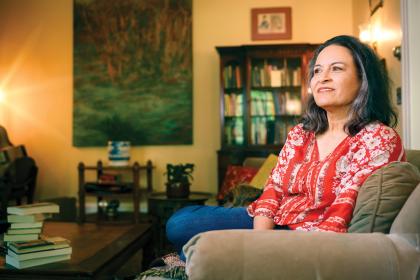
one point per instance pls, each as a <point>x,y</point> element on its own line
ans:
<point>271,23</point>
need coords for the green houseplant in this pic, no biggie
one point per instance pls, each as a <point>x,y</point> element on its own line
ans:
<point>178,180</point>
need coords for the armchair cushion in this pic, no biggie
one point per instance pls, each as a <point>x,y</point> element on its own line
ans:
<point>283,254</point>
<point>265,170</point>
<point>408,221</point>
<point>236,175</point>
<point>241,196</point>
<point>382,196</point>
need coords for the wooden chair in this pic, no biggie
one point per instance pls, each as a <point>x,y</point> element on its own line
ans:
<point>17,181</point>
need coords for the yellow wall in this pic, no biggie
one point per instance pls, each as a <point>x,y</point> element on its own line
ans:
<point>36,73</point>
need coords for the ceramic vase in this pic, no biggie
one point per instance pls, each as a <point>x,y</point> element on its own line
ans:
<point>118,153</point>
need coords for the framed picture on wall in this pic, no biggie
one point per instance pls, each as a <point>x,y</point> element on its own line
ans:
<point>132,73</point>
<point>271,23</point>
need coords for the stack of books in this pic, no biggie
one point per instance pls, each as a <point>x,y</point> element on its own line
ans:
<point>25,243</point>
<point>36,252</point>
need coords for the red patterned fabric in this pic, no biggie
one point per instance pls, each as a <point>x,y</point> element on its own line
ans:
<point>236,175</point>
<point>310,194</point>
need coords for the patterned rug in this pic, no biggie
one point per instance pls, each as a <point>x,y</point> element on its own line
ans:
<point>168,267</point>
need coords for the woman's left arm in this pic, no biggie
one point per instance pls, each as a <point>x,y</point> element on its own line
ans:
<point>375,148</point>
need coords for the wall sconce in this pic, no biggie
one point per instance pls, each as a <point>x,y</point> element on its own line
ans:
<point>396,51</point>
<point>2,95</point>
<point>373,34</point>
<point>369,35</point>
<point>365,34</point>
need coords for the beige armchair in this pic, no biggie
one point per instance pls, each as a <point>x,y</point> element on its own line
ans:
<point>383,240</point>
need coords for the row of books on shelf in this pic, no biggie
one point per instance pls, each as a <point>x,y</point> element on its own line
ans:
<point>234,131</point>
<point>232,76</point>
<point>233,104</point>
<point>275,103</point>
<point>268,75</point>
<point>25,243</point>
<point>267,130</point>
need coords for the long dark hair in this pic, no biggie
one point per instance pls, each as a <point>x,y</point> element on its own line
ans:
<point>373,101</point>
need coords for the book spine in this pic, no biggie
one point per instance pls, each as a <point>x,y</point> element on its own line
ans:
<point>238,77</point>
<point>239,131</point>
<point>239,105</point>
<point>228,134</point>
<point>19,237</point>
<point>42,254</point>
<point>29,263</point>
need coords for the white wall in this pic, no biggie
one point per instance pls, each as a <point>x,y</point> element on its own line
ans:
<point>411,71</point>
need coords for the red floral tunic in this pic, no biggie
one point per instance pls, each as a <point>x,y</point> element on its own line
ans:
<point>309,194</point>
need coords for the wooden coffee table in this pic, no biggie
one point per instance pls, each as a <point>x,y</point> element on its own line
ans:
<point>98,251</point>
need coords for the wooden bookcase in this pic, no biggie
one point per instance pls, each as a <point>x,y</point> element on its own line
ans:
<point>262,92</point>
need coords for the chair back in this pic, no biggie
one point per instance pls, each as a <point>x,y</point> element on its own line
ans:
<point>21,172</point>
<point>17,181</point>
<point>4,138</point>
<point>413,157</point>
<point>408,219</point>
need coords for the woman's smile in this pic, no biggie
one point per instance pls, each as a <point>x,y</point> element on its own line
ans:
<point>324,89</point>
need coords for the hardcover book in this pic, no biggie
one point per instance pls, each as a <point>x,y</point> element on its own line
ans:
<point>26,225</point>
<point>44,243</point>
<point>40,254</point>
<point>43,207</point>
<point>28,218</point>
<point>20,237</point>
<point>34,262</point>
<point>23,230</point>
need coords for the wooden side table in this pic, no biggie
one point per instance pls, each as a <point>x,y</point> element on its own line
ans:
<point>162,207</point>
<point>113,189</point>
<point>99,252</point>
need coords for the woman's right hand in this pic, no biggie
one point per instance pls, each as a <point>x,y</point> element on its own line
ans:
<point>263,223</point>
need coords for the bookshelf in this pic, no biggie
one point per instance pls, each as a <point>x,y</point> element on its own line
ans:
<point>262,92</point>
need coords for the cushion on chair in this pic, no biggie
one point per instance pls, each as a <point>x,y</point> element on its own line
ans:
<point>290,255</point>
<point>382,196</point>
<point>413,157</point>
<point>265,170</point>
<point>235,175</point>
<point>408,220</point>
<point>241,196</point>
<point>256,162</point>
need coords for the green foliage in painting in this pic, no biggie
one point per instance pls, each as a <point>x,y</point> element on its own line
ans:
<point>132,72</point>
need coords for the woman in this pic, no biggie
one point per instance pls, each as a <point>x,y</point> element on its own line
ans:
<point>344,136</point>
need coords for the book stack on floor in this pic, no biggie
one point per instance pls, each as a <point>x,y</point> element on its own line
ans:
<point>26,245</point>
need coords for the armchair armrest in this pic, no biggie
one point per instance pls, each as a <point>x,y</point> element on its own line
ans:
<point>277,254</point>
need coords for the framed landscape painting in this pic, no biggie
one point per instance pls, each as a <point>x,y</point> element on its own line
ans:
<point>132,72</point>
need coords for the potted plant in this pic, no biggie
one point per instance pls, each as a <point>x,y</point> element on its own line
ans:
<point>178,180</point>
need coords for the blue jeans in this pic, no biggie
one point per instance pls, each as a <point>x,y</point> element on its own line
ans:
<point>191,220</point>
